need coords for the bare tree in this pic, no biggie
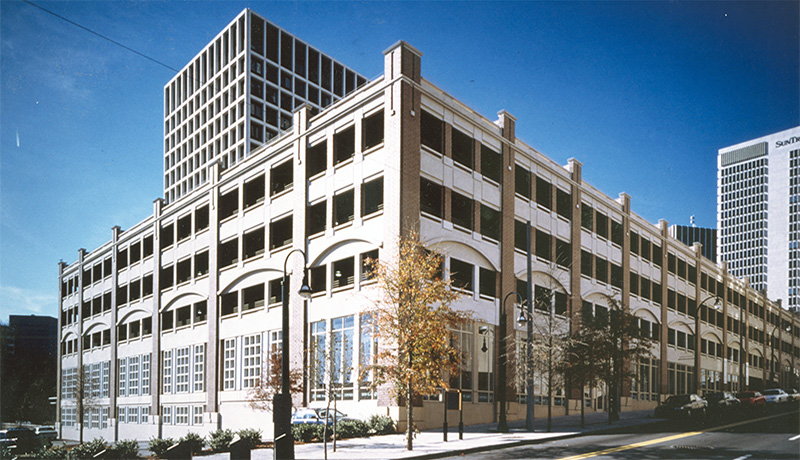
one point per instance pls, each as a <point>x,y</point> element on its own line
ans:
<point>581,365</point>
<point>339,375</point>
<point>87,391</point>
<point>550,343</point>
<point>614,344</point>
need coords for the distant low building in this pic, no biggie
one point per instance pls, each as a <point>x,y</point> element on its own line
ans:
<point>35,335</point>
<point>29,347</point>
<point>690,235</point>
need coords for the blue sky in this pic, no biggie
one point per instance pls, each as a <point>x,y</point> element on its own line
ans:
<point>642,93</point>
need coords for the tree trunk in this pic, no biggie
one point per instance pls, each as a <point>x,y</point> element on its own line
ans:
<point>325,427</point>
<point>610,403</point>
<point>409,418</point>
<point>335,421</point>
<point>583,405</point>
<point>80,413</point>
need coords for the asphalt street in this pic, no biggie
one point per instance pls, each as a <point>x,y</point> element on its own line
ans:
<point>771,436</point>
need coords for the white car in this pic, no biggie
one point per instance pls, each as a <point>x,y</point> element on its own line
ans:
<point>776,396</point>
<point>317,416</point>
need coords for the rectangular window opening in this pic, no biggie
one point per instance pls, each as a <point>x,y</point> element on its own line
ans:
<point>281,178</point>
<point>462,210</point>
<point>253,297</point>
<point>343,207</point>
<point>432,132</point>
<point>372,129</point>
<point>316,159</point>
<point>254,191</point>
<point>280,232</point>
<point>372,196</point>
<point>229,253</point>
<point>431,198</point>
<point>461,274</point>
<point>343,272</point>
<point>344,145</point>
<point>228,204</point>
<point>463,149</point>
<point>253,243</point>
<point>316,218</point>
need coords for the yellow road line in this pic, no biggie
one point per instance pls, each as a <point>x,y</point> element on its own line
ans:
<point>664,439</point>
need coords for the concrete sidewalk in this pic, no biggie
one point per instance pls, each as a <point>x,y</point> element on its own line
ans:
<point>477,438</point>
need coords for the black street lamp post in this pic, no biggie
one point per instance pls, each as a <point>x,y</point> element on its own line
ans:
<point>502,422</point>
<point>742,357</point>
<point>526,318</point>
<point>772,371</point>
<point>699,338</point>
<point>282,402</point>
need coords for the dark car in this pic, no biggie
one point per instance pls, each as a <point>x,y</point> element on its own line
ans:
<point>46,434</point>
<point>19,440</point>
<point>722,403</point>
<point>689,406</point>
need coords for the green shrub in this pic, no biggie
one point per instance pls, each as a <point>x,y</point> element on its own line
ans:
<point>125,449</point>
<point>160,445</point>
<point>195,441</point>
<point>87,450</point>
<point>351,429</point>
<point>250,436</point>
<point>47,453</point>
<point>306,432</point>
<point>220,440</point>
<point>382,424</point>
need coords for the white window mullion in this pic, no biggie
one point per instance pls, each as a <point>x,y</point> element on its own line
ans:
<point>239,362</point>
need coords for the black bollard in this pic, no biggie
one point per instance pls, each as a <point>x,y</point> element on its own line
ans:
<point>178,451</point>
<point>444,424</point>
<point>240,450</point>
<point>460,415</point>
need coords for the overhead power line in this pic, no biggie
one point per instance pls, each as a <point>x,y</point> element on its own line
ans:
<point>102,36</point>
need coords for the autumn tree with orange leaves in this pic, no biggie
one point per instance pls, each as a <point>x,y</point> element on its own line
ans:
<point>414,323</point>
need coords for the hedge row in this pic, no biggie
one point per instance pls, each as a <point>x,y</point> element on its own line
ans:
<point>218,441</point>
<point>125,449</point>
<point>377,424</point>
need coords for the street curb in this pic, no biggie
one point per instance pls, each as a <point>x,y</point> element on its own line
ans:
<point>523,442</point>
<point>528,442</point>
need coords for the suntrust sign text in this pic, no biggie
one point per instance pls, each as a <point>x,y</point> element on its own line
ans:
<point>789,141</point>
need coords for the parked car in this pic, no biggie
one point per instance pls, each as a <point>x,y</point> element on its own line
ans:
<point>46,433</point>
<point>20,440</point>
<point>793,394</point>
<point>722,403</point>
<point>752,400</point>
<point>5,441</point>
<point>682,406</point>
<point>776,396</point>
<point>317,416</point>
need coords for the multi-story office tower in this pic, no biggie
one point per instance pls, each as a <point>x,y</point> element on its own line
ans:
<point>172,320</point>
<point>758,213</point>
<point>689,235</point>
<point>239,92</point>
